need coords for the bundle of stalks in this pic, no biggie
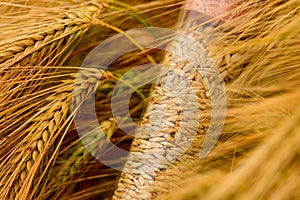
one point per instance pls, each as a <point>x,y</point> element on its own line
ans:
<point>42,43</point>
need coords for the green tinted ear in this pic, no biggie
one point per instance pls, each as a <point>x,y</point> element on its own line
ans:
<point>108,128</point>
<point>136,14</point>
<point>109,134</point>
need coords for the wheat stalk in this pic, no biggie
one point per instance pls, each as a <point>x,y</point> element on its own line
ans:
<point>43,130</point>
<point>42,45</point>
<point>137,178</point>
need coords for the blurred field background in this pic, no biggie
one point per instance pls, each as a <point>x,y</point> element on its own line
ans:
<point>42,45</point>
